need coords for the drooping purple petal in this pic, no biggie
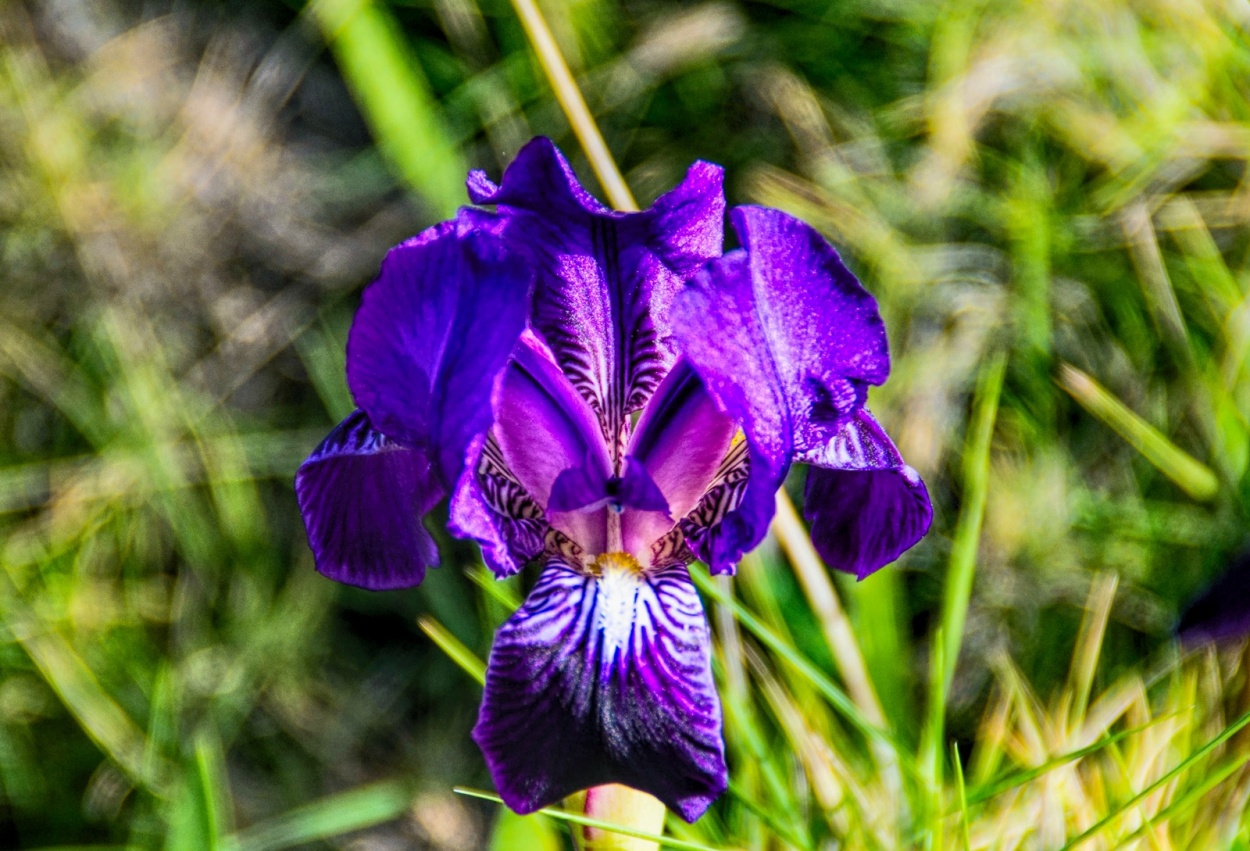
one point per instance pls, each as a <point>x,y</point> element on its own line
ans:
<point>431,337</point>
<point>681,440</point>
<point>363,497</point>
<point>605,280</point>
<point>604,680</point>
<point>787,341</point>
<point>865,505</point>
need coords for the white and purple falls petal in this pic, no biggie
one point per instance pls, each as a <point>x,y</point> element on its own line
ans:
<point>363,497</point>
<point>605,280</point>
<point>787,341</point>
<point>604,679</point>
<point>865,505</point>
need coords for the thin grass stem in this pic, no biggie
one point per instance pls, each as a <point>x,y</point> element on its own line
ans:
<point>584,821</point>
<point>574,105</point>
<point>823,598</point>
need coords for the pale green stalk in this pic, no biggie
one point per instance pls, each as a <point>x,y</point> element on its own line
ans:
<point>948,636</point>
<point>823,598</point>
<point>574,105</point>
<point>1192,476</point>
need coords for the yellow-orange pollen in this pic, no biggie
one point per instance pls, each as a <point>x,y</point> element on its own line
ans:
<point>619,580</point>
<point>614,565</point>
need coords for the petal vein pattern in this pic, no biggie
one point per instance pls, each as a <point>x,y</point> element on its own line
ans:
<point>363,497</point>
<point>865,505</point>
<point>604,679</point>
<point>605,280</point>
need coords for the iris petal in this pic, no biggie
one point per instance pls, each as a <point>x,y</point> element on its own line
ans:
<point>787,341</point>
<point>490,506</point>
<point>604,680</point>
<point>544,427</point>
<point>680,440</point>
<point>363,497</point>
<point>865,505</point>
<point>431,337</point>
<point>605,280</point>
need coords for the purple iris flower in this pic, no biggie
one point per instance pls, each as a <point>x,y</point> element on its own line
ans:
<point>610,396</point>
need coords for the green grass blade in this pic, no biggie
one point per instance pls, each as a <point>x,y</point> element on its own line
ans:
<point>214,789</point>
<point>770,821</point>
<point>1192,796</point>
<point>1183,766</point>
<point>501,591</point>
<point>454,648</point>
<point>1189,474</point>
<point>395,97</point>
<point>1029,775</point>
<point>948,636</point>
<point>836,696</point>
<point>327,817</point>
<point>967,537</point>
<point>80,691</point>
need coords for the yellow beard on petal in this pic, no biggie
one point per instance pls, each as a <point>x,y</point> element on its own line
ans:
<point>619,576</point>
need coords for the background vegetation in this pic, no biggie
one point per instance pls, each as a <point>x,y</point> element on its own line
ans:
<point>1049,199</point>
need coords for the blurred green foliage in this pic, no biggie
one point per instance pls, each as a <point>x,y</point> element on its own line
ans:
<point>1051,196</point>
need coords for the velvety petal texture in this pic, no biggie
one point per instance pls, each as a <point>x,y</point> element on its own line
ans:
<point>432,335</point>
<point>680,440</point>
<point>605,280</point>
<point>787,341</point>
<point>604,679</point>
<point>363,497</point>
<point>865,505</point>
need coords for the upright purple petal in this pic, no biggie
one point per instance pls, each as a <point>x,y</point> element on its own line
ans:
<point>431,337</point>
<point>604,680</point>
<point>605,280</point>
<point>363,497</point>
<point>544,427</point>
<point>681,440</point>
<point>787,341</point>
<point>865,505</point>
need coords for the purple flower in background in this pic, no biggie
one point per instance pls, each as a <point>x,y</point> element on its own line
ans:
<point>608,395</point>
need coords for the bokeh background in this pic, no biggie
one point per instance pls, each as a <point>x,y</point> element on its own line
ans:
<point>1049,199</point>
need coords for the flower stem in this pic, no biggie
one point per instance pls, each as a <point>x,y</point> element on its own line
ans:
<point>627,807</point>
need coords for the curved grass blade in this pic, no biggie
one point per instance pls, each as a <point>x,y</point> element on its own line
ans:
<point>454,648</point>
<point>330,816</point>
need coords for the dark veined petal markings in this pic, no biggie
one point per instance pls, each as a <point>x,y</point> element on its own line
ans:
<point>604,678</point>
<point>363,497</point>
<point>524,525</point>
